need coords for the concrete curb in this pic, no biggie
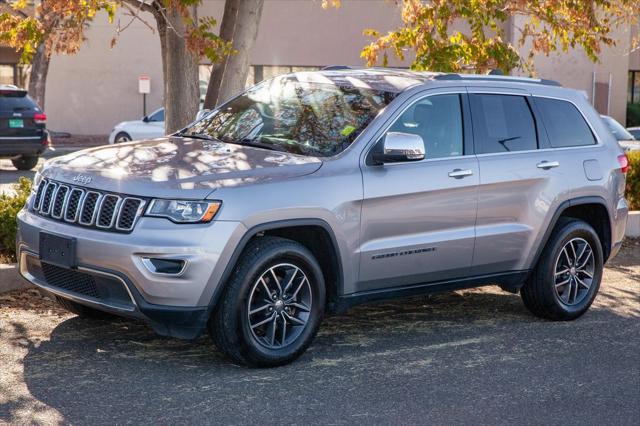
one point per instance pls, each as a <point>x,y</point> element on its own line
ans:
<point>633,224</point>
<point>10,279</point>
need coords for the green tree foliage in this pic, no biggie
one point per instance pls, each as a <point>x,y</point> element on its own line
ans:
<point>431,30</point>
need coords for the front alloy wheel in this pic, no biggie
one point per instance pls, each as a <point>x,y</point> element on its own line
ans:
<point>279,306</point>
<point>272,304</point>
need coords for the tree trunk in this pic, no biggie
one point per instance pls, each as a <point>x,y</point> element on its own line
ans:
<point>38,77</point>
<point>227,28</point>
<point>236,69</point>
<point>182,94</point>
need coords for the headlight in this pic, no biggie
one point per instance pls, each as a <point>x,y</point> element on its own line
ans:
<point>184,211</point>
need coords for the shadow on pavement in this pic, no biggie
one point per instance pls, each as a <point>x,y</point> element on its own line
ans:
<point>445,359</point>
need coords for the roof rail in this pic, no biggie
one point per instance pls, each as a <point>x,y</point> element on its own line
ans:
<point>485,77</point>
<point>336,67</point>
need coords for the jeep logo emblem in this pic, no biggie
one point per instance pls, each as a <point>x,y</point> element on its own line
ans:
<point>85,180</point>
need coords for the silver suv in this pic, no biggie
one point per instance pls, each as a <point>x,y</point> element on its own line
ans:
<point>312,192</point>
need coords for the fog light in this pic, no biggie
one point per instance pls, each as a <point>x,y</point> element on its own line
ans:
<point>164,266</point>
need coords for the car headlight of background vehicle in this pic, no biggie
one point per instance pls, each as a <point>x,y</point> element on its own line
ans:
<point>184,211</point>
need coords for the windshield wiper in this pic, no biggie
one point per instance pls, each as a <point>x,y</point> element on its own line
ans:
<point>202,136</point>
<point>251,142</point>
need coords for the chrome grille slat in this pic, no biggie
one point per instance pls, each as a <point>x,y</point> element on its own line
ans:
<point>47,198</point>
<point>59,201</point>
<point>107,215</point>
<point>87,207</point>
<point>38,199</point>
<point>129,212</point>
<point>75,200</point>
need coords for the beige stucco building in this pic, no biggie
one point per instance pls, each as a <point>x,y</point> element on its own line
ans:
<point>90,92</point>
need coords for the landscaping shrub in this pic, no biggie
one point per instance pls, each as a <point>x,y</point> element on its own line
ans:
<point>10,205</point>
<point>633,180</point>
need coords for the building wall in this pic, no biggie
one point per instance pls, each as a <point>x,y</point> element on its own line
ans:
<point>574,69</point>
<point>90,92</point>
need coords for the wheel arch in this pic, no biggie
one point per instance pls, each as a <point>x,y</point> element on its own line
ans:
<point>325,249</point>
<point>591,209</point>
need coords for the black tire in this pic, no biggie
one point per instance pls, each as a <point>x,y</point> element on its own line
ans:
<point>122,137</point>
<point>83,311</point>
<point>540,293</point>
<point>230,326</point>
<point>25,162</point>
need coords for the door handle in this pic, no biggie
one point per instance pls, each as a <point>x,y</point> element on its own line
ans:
<point>547,165</point>
<point>459,173</point>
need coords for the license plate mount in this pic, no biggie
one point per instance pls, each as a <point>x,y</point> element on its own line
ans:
<point>58,250</point>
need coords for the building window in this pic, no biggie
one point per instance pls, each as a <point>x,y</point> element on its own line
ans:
<point>257,73</point>
<point>633,92</point>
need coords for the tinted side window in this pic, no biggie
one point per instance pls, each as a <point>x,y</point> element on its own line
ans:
<point>502,123</point>
<point>564,123</point>
<point>438,120</point>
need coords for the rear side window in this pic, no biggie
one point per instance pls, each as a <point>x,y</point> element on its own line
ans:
<point>564,124</point>
<point>502,123</point>
<point>16,101</point>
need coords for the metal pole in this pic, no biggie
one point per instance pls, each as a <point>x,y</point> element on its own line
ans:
<point>609,94</point>
<point>144,104</point>
<point>593,89</point>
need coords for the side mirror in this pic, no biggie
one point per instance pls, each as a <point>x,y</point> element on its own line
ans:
<point>200,115</point>
<point>145,119</point>
<point>400,147</point>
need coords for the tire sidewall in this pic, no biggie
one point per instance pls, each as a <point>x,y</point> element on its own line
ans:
<point>571,231</point>
<point>123,135</point>
<point>303,259</point>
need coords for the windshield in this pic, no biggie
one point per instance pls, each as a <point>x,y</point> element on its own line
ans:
<point>618,131</point>
<point>286,114</point>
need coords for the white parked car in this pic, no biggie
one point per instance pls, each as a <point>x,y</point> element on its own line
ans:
<point>149,127</point>
<point>625,139</point>
<point>635,131</point>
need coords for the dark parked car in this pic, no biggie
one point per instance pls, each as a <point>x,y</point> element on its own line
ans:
<point>23,134</point>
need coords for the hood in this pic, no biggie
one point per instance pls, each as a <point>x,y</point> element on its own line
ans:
<point>168,167</point>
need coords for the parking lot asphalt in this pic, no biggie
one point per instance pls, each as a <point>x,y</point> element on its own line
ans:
<point>474,356</point>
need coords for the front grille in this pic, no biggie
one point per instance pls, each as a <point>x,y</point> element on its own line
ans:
<point>87,207</point>
<point>70,280</point>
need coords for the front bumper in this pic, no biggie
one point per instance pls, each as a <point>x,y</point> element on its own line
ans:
<point>176,305</point>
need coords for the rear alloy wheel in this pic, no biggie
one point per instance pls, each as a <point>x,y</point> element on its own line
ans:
<point>25,162</point>
<point>567,277</point>
<point>122,137</point>
<point>272,304</point>
<point>574,271</point>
